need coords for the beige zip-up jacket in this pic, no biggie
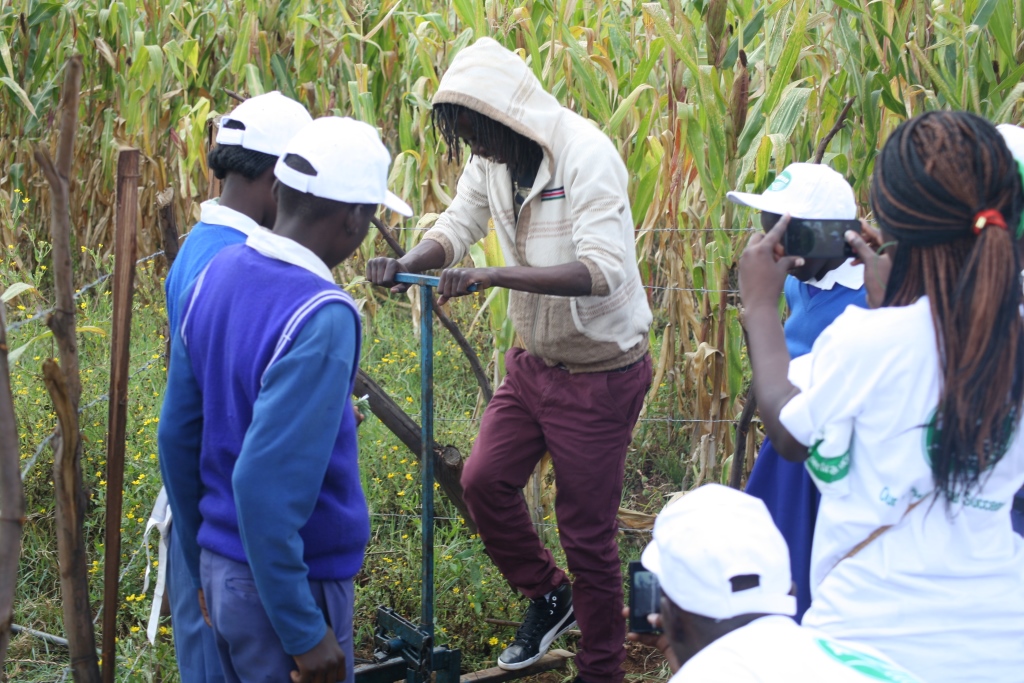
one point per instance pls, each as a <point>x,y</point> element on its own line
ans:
<point>577,210</point>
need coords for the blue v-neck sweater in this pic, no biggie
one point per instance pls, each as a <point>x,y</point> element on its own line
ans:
<point>813,309</point>
<point>258,437</point>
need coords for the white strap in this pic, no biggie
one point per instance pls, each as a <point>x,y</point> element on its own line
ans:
<point>159,519</point>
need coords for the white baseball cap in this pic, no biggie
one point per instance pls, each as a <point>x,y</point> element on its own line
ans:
<point>804,191</point>
<point>269,122</point>
<point>1014,138</point>
<point>717,553</point>
<point>350,161</point>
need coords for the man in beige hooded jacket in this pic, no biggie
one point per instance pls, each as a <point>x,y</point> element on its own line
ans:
<point>555,187</point>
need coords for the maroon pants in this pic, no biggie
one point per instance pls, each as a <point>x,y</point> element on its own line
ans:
<point>585,421</point>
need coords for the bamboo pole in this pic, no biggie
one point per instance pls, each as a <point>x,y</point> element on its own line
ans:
<point>12,498</point>
<point>124,283</point>
<point>65,388</point>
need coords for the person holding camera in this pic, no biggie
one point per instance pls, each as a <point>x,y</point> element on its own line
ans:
<point>908,415</point>
<point>727,603</point>
<point>816,293</point>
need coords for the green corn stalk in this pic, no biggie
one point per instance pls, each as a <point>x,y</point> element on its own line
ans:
<point>699,98</point>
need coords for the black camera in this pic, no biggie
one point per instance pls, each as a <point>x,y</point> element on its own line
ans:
<point>644,598</point>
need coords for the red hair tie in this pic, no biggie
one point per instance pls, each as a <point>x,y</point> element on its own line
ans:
<point>983,219</point>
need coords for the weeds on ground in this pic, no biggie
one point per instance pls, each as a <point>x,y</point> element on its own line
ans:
<point>469,589</point>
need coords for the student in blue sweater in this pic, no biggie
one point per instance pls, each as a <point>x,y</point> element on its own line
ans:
<point>816,293</point>
<point>249,141</point>
<point>258,437</point>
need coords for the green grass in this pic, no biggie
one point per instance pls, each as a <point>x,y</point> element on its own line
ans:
<point>469,588</point>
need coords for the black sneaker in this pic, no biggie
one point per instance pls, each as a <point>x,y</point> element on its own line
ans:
<point>546,619</point>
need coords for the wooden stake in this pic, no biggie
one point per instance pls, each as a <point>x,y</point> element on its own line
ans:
<point>124,284</point>
<point>65,388</point>
<point>12,498</point>
<point>447,459</point>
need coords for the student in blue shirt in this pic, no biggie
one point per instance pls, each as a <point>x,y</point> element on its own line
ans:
<point>257,435</point>
<point>249,141</point>
<point>816,293</point>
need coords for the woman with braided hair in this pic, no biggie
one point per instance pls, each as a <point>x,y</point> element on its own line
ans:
<point>907,416</point>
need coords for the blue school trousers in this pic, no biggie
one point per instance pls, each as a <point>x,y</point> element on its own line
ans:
<point>194,644</point>
<point>250,650</point>
<point>792,499</point>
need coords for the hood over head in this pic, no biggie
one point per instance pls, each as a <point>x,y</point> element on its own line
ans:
<point>494,81</point>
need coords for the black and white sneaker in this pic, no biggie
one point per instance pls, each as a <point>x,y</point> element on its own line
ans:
<point>546,619</point>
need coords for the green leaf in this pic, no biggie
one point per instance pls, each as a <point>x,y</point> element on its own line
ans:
<point>849,6</point>
<point>985,11</point>
<point>14,290</point>
<point>790,110</point>
<point>1002,115</point>
<point>788,60</point>
<point>22,95</point>
<point>5,52</point>
<point>612,127</point>
<point>17,353</point>
<point>644,194</point>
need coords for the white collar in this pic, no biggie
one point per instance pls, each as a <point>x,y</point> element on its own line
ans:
<point>285,249</point>
<point>215,214</point>
<point>847,275</point>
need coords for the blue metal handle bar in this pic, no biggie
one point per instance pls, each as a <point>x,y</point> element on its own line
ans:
<point>424,280</point>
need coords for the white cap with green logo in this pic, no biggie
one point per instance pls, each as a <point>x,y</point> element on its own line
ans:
<point>804,191</point>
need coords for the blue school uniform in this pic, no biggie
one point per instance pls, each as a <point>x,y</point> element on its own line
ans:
<point>194,644</point>
<point>258,409</point>
<point>784,486</point>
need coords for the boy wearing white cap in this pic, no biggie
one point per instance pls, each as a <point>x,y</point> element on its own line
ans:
<point>258,437</point>
<point>249,141</point>
<point>816,293</point>
<point>726,600</point>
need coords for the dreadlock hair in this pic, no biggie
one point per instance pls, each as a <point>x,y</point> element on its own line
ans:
<point>304,205</point>
<point>936,174</point>
<point>224,159</point>
<point>522,155</point>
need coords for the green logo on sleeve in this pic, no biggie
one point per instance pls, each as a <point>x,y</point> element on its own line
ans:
<point>827,470</point>
<point>870,666</point>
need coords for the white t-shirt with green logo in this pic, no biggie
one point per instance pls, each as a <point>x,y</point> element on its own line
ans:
<point>775,649</point>
<point>942,591</point>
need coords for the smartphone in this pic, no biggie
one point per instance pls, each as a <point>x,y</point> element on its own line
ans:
<point>814,238</point>
<point>644,598</point>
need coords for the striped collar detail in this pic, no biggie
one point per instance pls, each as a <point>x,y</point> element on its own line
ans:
<point>552,194</point>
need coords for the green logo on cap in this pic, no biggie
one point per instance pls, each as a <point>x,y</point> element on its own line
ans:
<point>781,182</point>
<point>870,666</point>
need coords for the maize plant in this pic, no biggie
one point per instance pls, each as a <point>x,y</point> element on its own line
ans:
<point>700,96</point>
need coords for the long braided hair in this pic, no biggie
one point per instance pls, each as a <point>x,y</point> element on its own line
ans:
<point>522,155</point>
<point>224,159</point>
<point>943,185</point>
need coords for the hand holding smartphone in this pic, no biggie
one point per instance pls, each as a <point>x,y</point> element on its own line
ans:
<point>815,238</point>
<point>644,598</point>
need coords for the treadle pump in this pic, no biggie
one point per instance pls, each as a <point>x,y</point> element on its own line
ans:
<point>405,650</point>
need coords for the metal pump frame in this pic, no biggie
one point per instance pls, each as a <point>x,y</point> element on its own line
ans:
<point>404,650</point>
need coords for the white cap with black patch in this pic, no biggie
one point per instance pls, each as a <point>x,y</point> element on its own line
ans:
<point>350,163</point>
<point>264,123</point>
<point>717,553</point>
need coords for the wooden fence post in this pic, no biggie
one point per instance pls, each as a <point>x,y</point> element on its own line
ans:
<point>65,388</point>
<point>12,498</point>
<point>121,327</point>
